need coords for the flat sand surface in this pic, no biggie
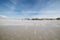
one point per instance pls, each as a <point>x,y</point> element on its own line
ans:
<point>30,30</point>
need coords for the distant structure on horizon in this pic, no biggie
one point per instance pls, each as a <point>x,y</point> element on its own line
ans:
<point>58,18</point>
<point>42,19</point>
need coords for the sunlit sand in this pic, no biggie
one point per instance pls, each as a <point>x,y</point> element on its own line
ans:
<point>29,30</point>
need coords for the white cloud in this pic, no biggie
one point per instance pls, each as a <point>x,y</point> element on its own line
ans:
<point>3,16</point>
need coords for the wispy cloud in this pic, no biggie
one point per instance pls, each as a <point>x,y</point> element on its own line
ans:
<point>3,16</point>
<point>30,8</point>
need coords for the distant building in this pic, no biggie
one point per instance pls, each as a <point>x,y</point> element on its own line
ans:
<point>58,18</point>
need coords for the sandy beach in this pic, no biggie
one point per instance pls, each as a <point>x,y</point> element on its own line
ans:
<point>30,30</point>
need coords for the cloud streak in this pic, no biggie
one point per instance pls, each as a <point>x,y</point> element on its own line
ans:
<point>30,8</point>
<point>2,16</point>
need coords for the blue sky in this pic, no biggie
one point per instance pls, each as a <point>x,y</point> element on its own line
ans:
<point>29,8</point>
